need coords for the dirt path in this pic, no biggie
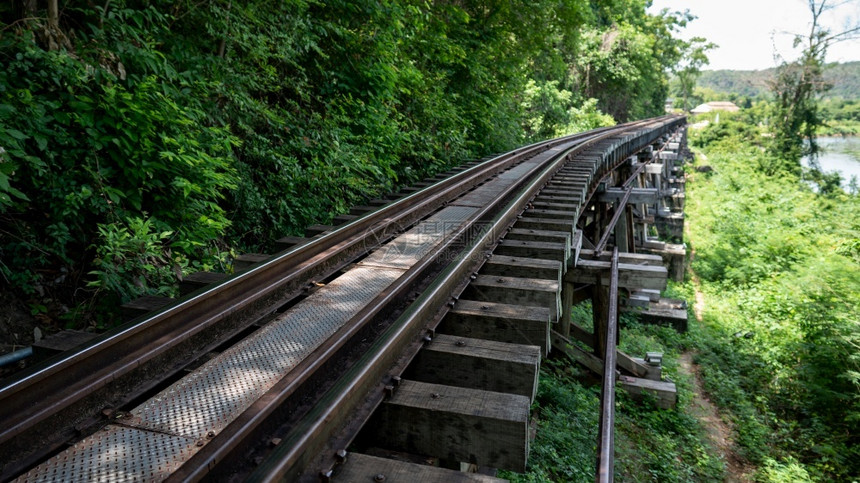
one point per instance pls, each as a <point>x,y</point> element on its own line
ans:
<point>719,431</point>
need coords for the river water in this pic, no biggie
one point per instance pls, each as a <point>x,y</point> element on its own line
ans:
<point>839,154</point>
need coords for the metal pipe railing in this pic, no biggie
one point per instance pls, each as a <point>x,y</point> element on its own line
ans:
<point>606,434</point>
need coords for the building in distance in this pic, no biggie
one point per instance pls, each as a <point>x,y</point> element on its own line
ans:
<point>716,106</point>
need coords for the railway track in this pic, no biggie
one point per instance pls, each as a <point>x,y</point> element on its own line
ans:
<point>415,329</point>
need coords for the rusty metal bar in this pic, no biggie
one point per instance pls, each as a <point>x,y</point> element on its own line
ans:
<point>614,221</point>
<point>606,435</point>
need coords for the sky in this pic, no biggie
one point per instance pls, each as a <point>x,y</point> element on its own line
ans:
<point>748,32</point>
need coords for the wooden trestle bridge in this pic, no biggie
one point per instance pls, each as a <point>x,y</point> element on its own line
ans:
<point>403,344</point>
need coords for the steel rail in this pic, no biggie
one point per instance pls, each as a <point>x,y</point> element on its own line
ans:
<point>606,433</point>
<point>59,393</point>
<point>232,436</point>
<point>292,454</point>
<point>134,345</point>
<point>59,386</point>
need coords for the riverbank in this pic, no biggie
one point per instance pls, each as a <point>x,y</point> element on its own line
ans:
<point>780,276</point>
<point>840,154</point>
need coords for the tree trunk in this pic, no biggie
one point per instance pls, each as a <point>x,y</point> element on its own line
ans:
<point>53,15</point>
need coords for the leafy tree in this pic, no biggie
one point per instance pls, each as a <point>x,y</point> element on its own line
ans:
<point>689,69</point>
<point>160,135</point>
<point>796,89</point>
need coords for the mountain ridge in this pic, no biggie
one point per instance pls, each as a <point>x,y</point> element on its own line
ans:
<point>845,78</point>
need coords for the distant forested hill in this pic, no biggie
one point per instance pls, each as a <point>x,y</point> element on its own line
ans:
<point>753,83</point>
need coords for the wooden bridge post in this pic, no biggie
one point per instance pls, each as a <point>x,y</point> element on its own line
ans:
<point>600,314</point>
<point>566,308</point>
<point>623,230</point>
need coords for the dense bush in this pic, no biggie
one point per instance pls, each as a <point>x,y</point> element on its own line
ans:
<point>142,139</point>
<point>779,347</point>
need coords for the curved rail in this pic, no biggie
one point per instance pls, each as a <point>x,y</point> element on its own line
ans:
<point>403,339</point>
<point>121,361</point>
<point>63,391</point>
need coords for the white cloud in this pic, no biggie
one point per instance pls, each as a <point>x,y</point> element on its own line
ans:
<point>749,31</point>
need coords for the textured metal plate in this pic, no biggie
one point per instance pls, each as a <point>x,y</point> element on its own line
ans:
<point>214,395</point>
<point>116,454</point>
<point>484,194</point>
<point>520,170</point>
<point>405,250</point>
<point>489,191</point>
<point>163,431</point>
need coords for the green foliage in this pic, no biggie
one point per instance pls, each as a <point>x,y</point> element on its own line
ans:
<point>567,412</point>
<point>779,345</point>
<point>723,135</point>
<point>651,444</point>
<point>844,77</point>
<point>796,116</point>
<point>837,106</point>
<point>689,70</point>
<point>132,258</point>
<point>231,124</point>
<point>83,149</point>
<point>551,112</point>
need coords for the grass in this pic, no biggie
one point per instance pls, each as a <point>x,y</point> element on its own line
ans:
<point>651,444</point>
<point>778,348</point>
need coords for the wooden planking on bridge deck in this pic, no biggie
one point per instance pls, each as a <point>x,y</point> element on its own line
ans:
<point>198,280</point>
<point>247,260</point>
<point>666,393</point>
<point>517,324</point>
<point>539,235</point>
<point>554,214</point>
<point>364,468</point>
<point>455,423</point>
<point>143,305</point>
<point>573,188</point>
<point>558,252</point>
<point>549,205</point>
<point>532,292</point>
<point>637,196</point>
<point>290,241</point>
<point>342,219</point>
<point>315,230</point>
<point>567,192</point>
<point>569,198</point>
<point>508,266</point>
<point>529,222</point>
<point>665,311</point>
<point>625,257</point>
<point>360,210</point>
<point>633,365</point>
<point>629,276</point>
<point>563,180</point>
<point>61,342</point>
<point>567,347</point>
<point>478,364</point>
